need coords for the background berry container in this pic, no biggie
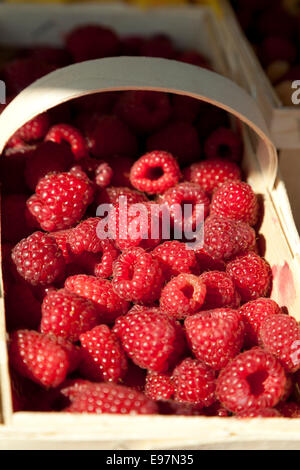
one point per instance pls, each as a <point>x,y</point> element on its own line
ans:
<point>64,431</point>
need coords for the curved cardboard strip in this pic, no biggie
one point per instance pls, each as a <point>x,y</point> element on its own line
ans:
<point>123,73</point>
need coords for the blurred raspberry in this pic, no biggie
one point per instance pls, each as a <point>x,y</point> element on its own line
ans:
<point>224,143</point>
<point>67,133</point>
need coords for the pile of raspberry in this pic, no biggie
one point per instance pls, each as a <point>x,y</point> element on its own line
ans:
<point>139,322</point>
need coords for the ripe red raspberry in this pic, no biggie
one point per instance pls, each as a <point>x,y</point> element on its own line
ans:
<point>185,194</point>
<point>109,136</point>
<point>135,225</point>
<point>179,138</point>
<point>175,258</point>
<point>210,174</point>
<point>254,313</point>
<point>151,339</point>
<point>224,143</point>
<point>280,335</point>
<point>251,381</point>
<point>158,45</point>
<point>22,309</point>
<point>103,356</point>
<point>66,133</point>
<point>20,73</point>
<point>111,194</point>
<point>44,359</point>
<point>90,42</point>
<point>251,275</point>
<point>137,276</point>
<point>185,108</point>
<point>220,290</point>
<point>144,111</point>
<point>109,305</point>
<point>155,172</point>
<point>33,130</point>
<point>224,238</point>
<point>17,222</point>
<point>260,413</point>
<point>182,296</point>
<point>47,158</point>
<point>38,259</point>
<point>60,200</point>
<point>194,383</point>
<point>89,397</point>
<point>159,386</point>
<point>235,200</point>
<point>215,336</point>
<point>67,315</point>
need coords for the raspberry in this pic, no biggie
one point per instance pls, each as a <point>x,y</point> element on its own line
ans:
<point>135,225</point>
<point>109,137</point>
<point>159,386</point>
<point>280,335</point>
<point>17,222</point>
<point>43,359</point>
<point>205,262</point>
<point>179,138</point>
<point>235,200</point>
<point>155,172</point>
<point>62,239</point>
<point>144,111</point>
<point>112,194</point>
<point>121,166</point>
<point>175,258</point>
<point>135,377</point>
<point>194,383</point>
<point>254,313</point>
<point>103,356</point>
<point>185,194</point>
<point>20,73</point>
<point>210,174</point>
<point>251,275</point>
<point>101,398</point>
<point>137,276</point>
<point>109,305</point>
<point>185,108</point>
<point>224,238</point>
<point>60,200</point>
<point>251,381</point>
<point>182,296</point>
<point>104,174</point>
<point>90,42</point>
<point>215,336</point>
<point>66,133</point>
<point>151,339</point>
<point>22,309</point>
<point>46,158</point>
<point>224,143</point>
<point>260,413</point>
<point>220,290</point>
<point>67,315</point>
<point>210,118</point>
<point>158,45</point>
<point>38,259</point>
<point>33,130</point>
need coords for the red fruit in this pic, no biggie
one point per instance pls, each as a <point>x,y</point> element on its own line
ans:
<point>175,258</point>
<point>280,335</point>
<point>38,259</point>
<point>159,386</point>
<point>182,296</point>
<point>88,397</point>
<point>101,103</point>
<point>56,204</point>
<point>104,174</point>
<point>111,194</point>
<point>179,138</point>
<point>92,42</point>
<point>47,158</point>
<point>17,222</point>
<point>109,137</point>
<point>144,111</point>
<point>103,356</point>
<point>224,143</point>
<point>137,276</point>
<point>210,174</point>
<point>62,239</point>
<point>151,339</point>
<point>194,383</point>
<point>220,290</point>
<point>33,130</point>
<point>66,133</point>
<point>158,45</point>
<point>260,413</point>
<point>20,73</point>
<point>251,381</point>
<point>185,108</point>
<point>44,359</point>
<point>225,238</point>
<point>155,172</point>
<point>121,166</point>
<point>251,275</point>
<point>100,291</point>
<point>206,263</point>
<point>215,336</point>
<point>211,117</point>
<point>67,315</point>
<point>235,200</point>
<point>277,48</point>
<point>254,313</point>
